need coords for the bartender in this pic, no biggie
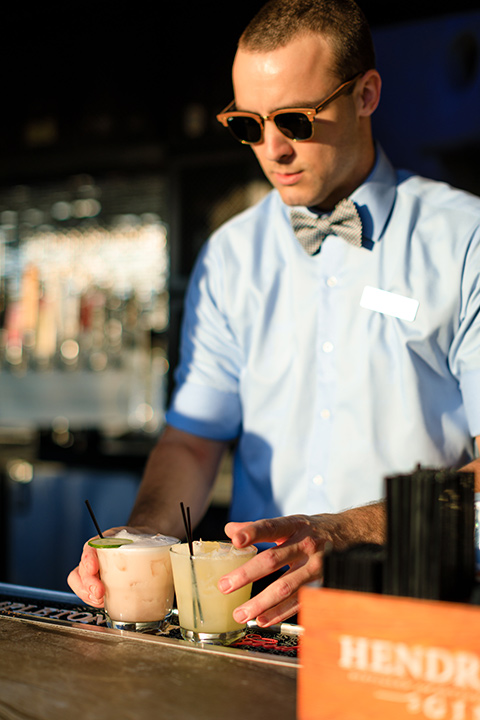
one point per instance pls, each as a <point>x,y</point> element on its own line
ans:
<point>332,331</point>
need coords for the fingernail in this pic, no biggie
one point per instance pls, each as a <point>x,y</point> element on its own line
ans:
<point>242,539</point>
<point>224,585</point>
<point>240,616</point>
<point>94,593</point>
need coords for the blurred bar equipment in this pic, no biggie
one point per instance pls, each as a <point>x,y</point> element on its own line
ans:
<point>84,319</point>
<point>83,295</point>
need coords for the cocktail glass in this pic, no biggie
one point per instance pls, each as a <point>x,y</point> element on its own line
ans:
<point>138,581</point>
<point>206,614</point>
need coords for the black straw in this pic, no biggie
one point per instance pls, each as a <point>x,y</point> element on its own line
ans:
<point>92,514</point>
<point>188,526</point>
<point>187,521</point>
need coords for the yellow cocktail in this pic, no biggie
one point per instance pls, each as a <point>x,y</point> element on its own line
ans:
<point>206,614</point>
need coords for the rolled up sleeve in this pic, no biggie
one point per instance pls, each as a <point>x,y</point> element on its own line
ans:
<point>206,400</point>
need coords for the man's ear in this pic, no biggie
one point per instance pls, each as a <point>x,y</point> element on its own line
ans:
<point>368,92</point>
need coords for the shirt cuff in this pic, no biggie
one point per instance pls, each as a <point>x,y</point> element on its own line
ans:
<point>205,411</point>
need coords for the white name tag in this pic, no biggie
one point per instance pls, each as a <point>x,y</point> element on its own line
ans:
<point>389,303</point>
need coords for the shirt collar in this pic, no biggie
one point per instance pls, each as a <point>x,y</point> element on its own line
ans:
<point>375,197</point>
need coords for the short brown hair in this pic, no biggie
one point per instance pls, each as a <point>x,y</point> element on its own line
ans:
<point>341,21</point>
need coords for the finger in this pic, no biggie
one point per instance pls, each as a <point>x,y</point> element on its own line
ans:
<point>234,530</point>
<point>281,612</point>
<point>76,584</point>
<point>89,560</point>
<point>94,590</point>
<point>267,530</point>
<point>263,564</point>
<point>279,600</point>
<point>290,553</point>
<point>82,591</point>
<point>86,579</point>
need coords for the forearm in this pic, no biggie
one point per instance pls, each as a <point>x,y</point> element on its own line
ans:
<point>368,523</point>
<point>180,469</point>
<point>365,524</point>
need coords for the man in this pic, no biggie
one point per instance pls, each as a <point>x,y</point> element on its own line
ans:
<point>331,367</point>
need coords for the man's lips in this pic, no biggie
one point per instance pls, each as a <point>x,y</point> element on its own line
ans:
<point>287,178</point>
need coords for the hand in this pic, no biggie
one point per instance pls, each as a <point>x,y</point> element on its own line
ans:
<point>84,580</point>
<point>300,542</point>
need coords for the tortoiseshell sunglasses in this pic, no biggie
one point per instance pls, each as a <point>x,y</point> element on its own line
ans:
<point>295,123</point>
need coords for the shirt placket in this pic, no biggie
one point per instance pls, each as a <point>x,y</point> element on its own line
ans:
<point>326,378</point>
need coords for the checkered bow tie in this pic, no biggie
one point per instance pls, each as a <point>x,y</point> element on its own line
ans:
<point>344,221</point>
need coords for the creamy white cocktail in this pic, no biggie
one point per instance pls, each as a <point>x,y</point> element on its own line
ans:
<point>206,614</point>
<point>138,580</point>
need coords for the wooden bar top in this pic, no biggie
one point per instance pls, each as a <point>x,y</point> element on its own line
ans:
<point>49,672</point>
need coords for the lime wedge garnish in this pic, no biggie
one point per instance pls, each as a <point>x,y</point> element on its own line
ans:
<point>109,542</point>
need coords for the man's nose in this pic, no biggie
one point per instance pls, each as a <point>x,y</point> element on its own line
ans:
<point>276,146</point>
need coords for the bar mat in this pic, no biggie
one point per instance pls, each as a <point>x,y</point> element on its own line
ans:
<point>259,640</point>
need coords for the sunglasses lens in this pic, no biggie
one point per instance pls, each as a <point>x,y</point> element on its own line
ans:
<point>295,126</point>
<point>245,129</point>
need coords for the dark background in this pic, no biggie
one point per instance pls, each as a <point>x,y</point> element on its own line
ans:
<point>117,80</point>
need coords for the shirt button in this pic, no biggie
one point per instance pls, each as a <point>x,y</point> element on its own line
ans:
<point>327,347</point>
<point>332,281</point>
<point>317,480</point>
<point>325,414</point>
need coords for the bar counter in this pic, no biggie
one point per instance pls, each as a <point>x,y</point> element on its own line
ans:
<point>55,669</point>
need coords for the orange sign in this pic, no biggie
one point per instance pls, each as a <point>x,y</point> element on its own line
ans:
<point>375,657</point>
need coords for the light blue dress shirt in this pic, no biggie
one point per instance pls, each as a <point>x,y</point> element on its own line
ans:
<point>328,390</point>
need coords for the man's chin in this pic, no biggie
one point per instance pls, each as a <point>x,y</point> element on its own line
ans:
<point>292,198</point>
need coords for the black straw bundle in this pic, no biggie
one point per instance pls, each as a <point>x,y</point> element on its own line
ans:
<point>430,535</point>
<point>357,568</point>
